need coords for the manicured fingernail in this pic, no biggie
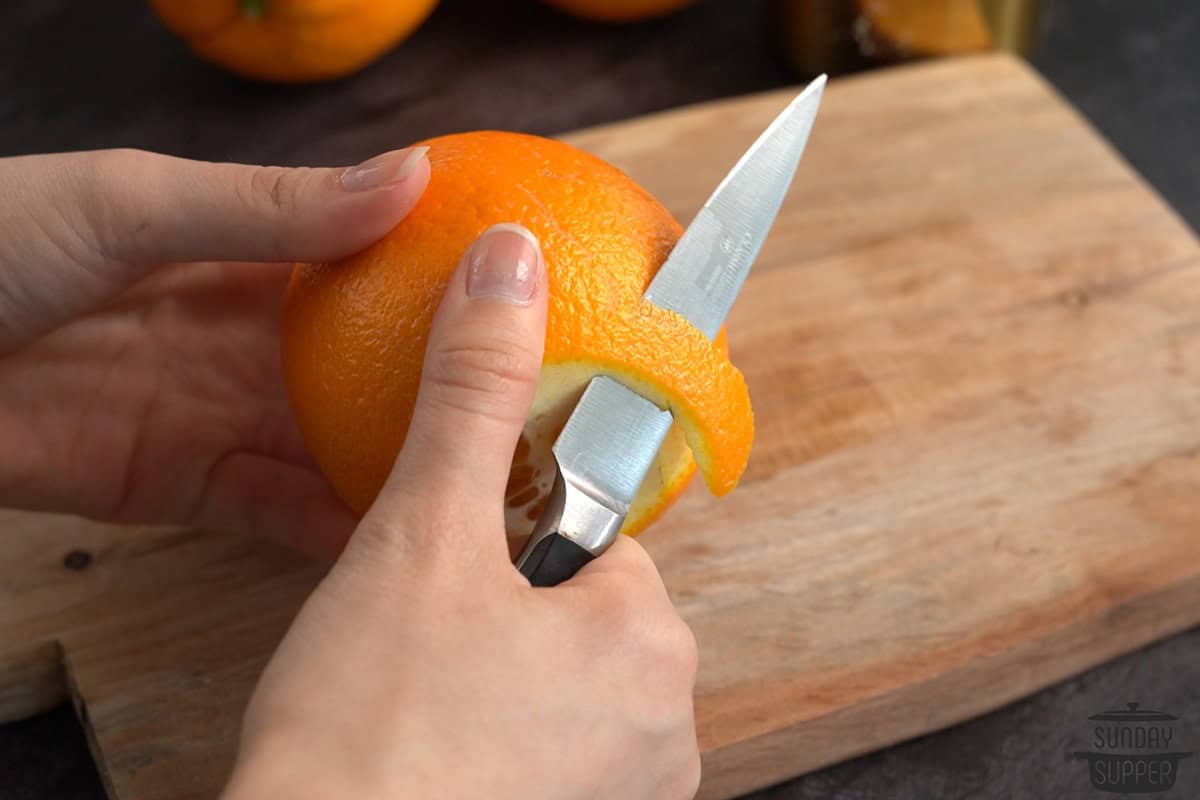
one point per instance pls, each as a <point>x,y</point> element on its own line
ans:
<point>504,264</point>
<point>382,170</point>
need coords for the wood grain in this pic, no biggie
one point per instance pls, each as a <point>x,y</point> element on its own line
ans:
<point>972,347</point>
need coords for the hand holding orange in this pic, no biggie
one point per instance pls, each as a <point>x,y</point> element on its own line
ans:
<point>355,330</point>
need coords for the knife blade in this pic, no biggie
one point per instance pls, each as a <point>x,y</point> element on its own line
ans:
<point>612,437</point>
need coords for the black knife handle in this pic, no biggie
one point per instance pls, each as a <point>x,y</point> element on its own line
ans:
<point>553,560</point>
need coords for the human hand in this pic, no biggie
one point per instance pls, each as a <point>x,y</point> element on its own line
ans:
<point>134,388</point>
<point>425,665</point>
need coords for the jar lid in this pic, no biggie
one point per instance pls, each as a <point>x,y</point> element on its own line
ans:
<point>1133,714</point>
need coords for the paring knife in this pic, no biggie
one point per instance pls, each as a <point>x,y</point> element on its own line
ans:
<point>613,435</point>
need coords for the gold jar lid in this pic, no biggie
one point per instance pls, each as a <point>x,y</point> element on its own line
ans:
<point>844,35</point>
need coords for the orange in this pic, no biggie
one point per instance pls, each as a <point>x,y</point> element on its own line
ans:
<point>619,10</point>
<point>292,41</point>
<point>355,331</point>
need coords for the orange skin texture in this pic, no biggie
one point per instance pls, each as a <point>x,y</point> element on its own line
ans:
<point>292,41</point>
<point>619,10</point>
<point>355,331</point>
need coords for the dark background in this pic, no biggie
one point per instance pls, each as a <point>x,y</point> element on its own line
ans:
<point>77,75</point>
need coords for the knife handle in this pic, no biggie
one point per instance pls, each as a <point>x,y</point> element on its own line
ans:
<point>572,530</point>
<point>552,560</point>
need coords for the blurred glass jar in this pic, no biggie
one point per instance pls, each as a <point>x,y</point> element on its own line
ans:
<point>846,35</point>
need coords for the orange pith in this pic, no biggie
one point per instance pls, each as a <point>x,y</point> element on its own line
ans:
<point>354,331</point>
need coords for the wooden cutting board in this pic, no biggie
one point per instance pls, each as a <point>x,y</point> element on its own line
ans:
<point>973,343</point>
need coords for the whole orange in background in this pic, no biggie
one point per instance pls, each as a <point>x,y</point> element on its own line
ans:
<point>292,41</point>
<point>355,331</point>
<point>619,10</point>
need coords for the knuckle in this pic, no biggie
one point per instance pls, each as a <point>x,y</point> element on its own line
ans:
<point>101,223</point>
<point>276,190</point>
<point>685,650</point>
<point>116,161</point>
<point>673,645</point>
<point>623,608</point>
<point>652,628</point>
<point>477,377</point>
<point>634,560</point>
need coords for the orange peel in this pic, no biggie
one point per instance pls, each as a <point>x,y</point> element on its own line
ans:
<point>354,331</point>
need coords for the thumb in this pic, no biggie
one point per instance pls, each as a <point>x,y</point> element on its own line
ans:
<point>94,222</point>
<point>479,376</point>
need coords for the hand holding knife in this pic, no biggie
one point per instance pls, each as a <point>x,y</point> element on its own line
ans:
<point>612,438</point>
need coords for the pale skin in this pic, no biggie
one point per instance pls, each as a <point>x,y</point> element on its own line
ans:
<point>140,381</point>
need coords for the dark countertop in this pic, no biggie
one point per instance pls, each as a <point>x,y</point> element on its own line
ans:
<point>84,75</point>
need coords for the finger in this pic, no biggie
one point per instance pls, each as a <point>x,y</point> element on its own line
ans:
<point>253,494</point>
<point>622,594</point>
<point>95,222</point>
<point>623,584</point>
<point>624,561</point>
<point>480,372</point>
